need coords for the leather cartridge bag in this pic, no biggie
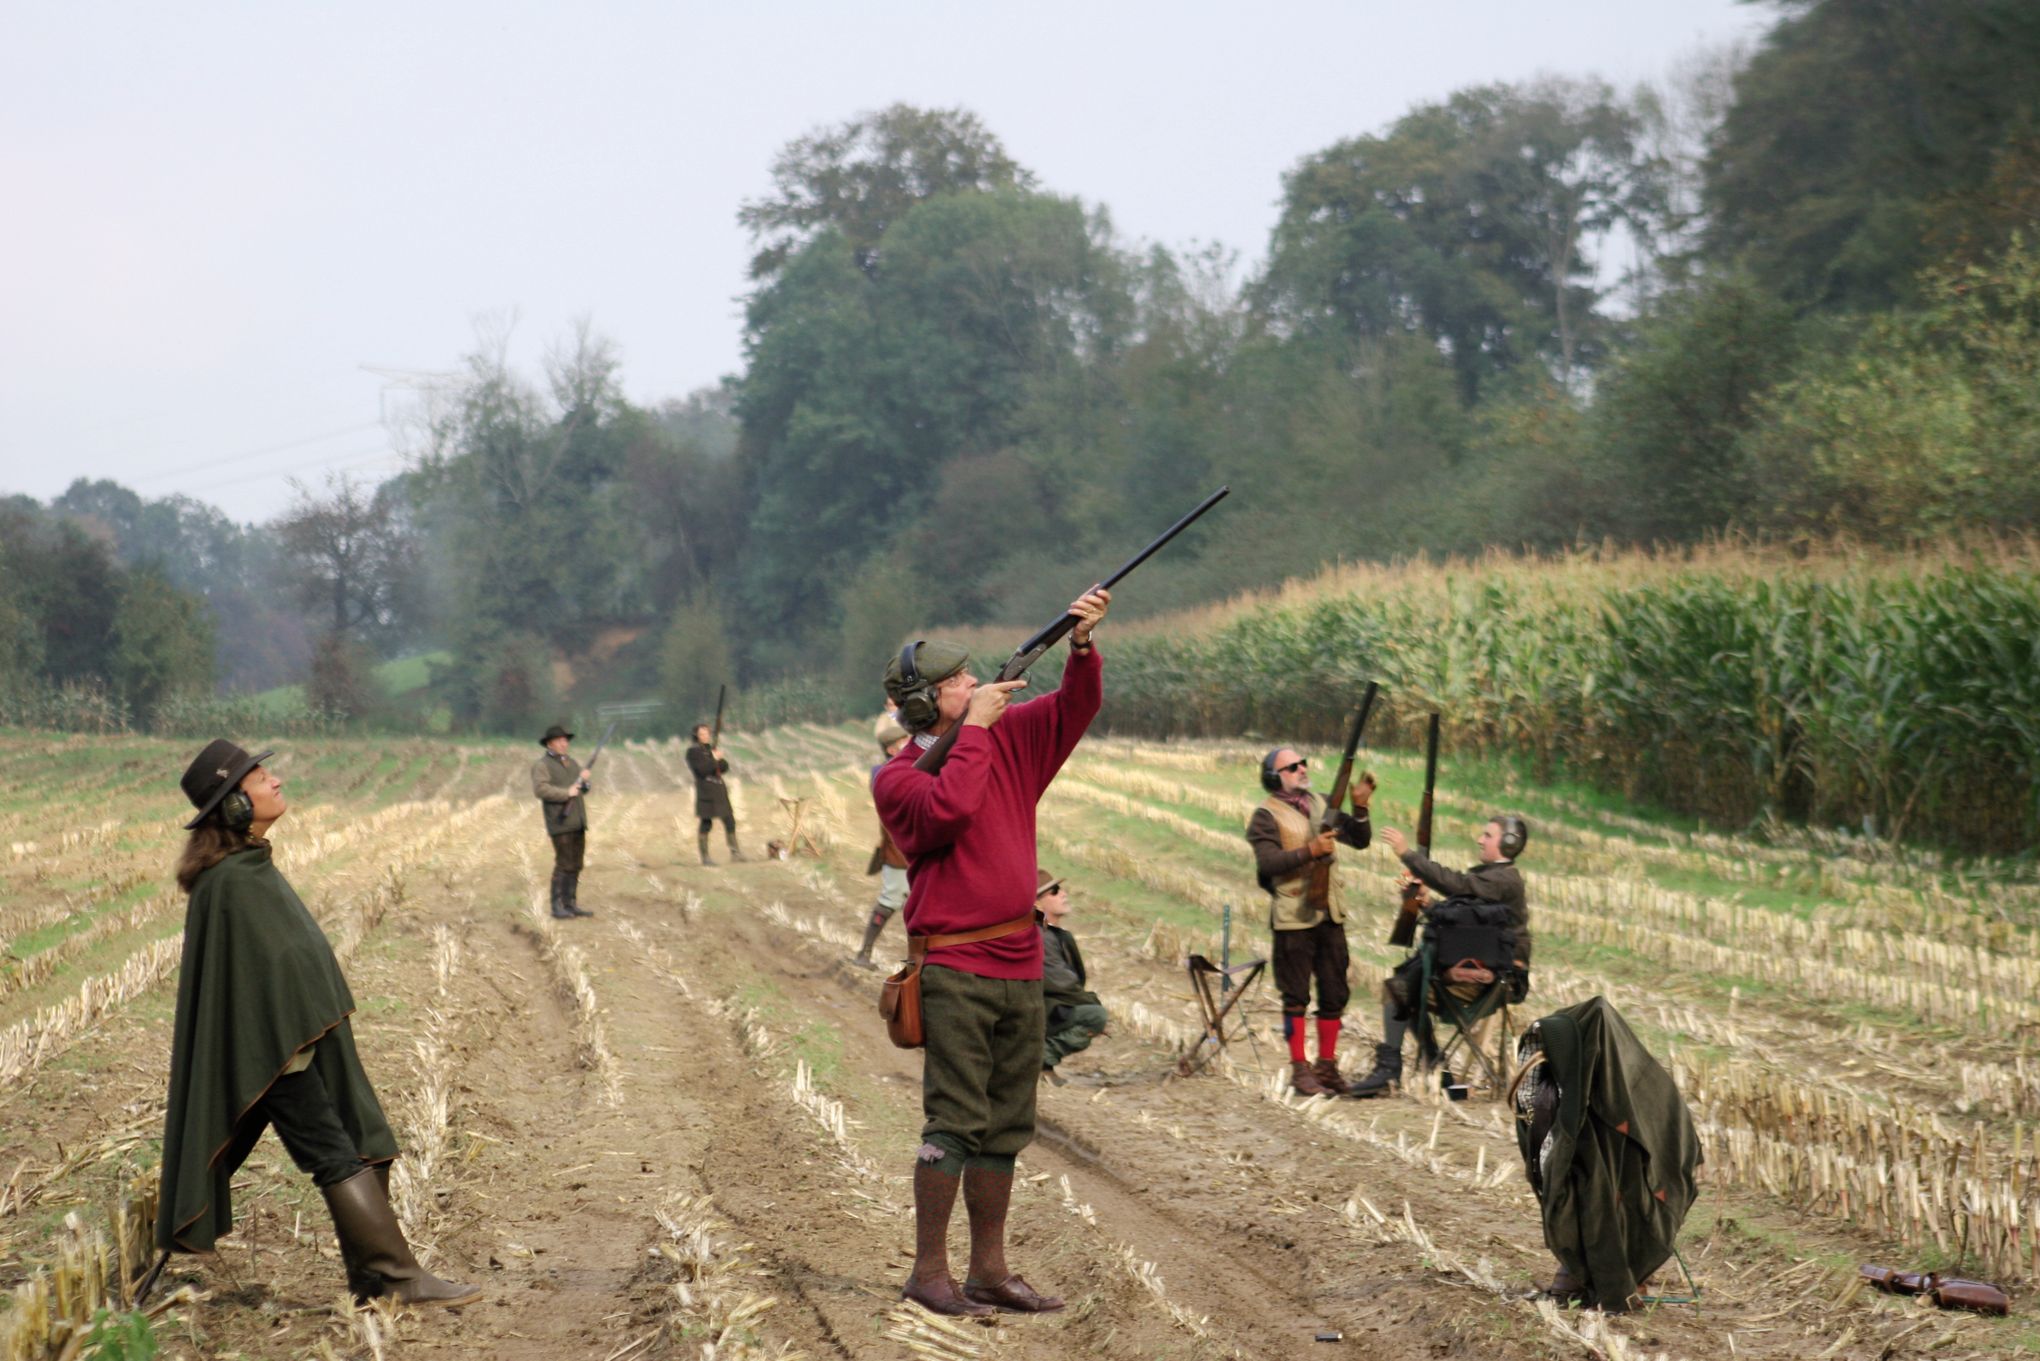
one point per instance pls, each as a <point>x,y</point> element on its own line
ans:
<point>899,1000</point>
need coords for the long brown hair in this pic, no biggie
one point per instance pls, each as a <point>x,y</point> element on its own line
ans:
<point>211,842</point>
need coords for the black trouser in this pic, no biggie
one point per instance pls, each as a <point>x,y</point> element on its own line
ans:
<point>729,824</point>
<point>301,1110</point>
<point>1315,952</point>
<point>569,848</point>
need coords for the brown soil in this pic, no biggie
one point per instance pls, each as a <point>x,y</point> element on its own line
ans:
<point>1181,1218</point>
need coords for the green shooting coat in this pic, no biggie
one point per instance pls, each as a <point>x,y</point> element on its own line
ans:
<point>1618,1165</point>
<point>258,983</point>
<point>556,781</point>
<point>711,795</point>
<point>1063,975</point>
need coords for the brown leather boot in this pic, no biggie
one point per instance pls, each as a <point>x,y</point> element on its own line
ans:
<point>1563,1285</point>
<point>1326,1071</point>
<point>1303,1080</point>
<point>987,1195</point>
<point>379,1261</point>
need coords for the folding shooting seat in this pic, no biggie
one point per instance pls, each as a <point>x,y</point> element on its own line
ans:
<point>1220,993</point>
<point>1464,982</point>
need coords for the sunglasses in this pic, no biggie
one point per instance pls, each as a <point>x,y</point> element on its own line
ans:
<point>1293,765</point>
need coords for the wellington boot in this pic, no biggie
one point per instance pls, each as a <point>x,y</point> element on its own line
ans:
<point>735,852</point>
<point>574,908</point>
<point>1329,1077</point>
<point>559,895</point>
<point>871,931</point>
<point>379,1261</point>
<point>1303,1081</point>
<point>702,841</point>
<point>1386,1075</point>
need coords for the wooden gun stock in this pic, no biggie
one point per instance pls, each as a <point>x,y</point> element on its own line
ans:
<point>1404,932</point>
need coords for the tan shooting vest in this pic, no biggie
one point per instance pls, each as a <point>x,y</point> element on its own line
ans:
<point>1287,910</point>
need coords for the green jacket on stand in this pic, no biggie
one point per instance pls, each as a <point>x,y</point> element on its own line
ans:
<point>1617,1167</point>
<point>258,983</point>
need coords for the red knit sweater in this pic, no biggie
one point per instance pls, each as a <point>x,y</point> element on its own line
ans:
<point>968,832</point>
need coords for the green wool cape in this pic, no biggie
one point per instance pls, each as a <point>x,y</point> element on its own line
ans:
<point>258,983</point>
<point>1619,1178</point>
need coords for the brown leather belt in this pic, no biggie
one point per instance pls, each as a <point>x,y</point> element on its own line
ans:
<point>919,946</point>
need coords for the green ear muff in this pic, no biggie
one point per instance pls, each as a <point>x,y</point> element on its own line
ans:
<point>918,706</point>
<point>237,812</point>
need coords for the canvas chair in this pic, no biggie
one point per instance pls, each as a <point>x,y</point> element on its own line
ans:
<point>1476,1012</point>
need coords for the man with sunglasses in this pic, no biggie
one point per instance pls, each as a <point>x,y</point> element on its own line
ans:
<point>1075,1014</point>
<point>1308,921</point>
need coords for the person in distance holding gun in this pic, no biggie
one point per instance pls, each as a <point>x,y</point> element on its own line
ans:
<point>561,784</point>
<point>968,831</point>
<point>711,795</point>
<point>887,862</point>
<point>1494,887</point>
<point>1309,923</point>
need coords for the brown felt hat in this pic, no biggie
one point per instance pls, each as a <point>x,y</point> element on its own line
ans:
<point>555,731</point>
<point>1049,884</point>
<point>215,773</point>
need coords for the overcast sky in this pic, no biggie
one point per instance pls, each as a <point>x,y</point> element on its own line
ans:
<point>216,214</point>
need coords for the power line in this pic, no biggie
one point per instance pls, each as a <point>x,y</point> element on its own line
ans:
<point>258,453</point>
<point>367,458</point>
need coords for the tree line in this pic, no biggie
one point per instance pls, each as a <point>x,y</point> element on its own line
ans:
<point>1785,291</point>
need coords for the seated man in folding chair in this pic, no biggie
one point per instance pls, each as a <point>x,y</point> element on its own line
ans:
<point>1490,894</point>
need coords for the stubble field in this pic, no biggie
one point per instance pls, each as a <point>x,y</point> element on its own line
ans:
<point>678,1126</point>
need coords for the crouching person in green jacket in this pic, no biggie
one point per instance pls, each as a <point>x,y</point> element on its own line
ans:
<point>262,1040</point>
<point>1075,1015</point>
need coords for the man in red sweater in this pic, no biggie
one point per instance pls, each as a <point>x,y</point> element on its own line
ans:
<point>968,835</point>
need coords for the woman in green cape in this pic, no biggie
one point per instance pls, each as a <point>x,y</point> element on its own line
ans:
<point>263,1040</point>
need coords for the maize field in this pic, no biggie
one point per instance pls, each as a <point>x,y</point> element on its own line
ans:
<point>677,1130</point>
<point>1897,694</point>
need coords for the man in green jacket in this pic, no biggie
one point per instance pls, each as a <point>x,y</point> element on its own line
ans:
<point>1492,888</point>
<point>1075,1015</point>
<point>561,785</point>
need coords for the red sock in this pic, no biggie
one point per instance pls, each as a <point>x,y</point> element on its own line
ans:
<point>1294,1024</point>
<point>1328,1038</point>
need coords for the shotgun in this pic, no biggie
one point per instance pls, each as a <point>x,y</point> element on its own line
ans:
<point>1030,652</point>
<point>596,754</point>
<point>722,692</point>
<point>1405,930</point>
<point>1319,889</point>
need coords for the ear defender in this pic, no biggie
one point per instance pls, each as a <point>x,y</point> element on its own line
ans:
<point>1270,780</point>
<point>237,812</point>
<point>1515,834</point>
<point>918,707</point>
